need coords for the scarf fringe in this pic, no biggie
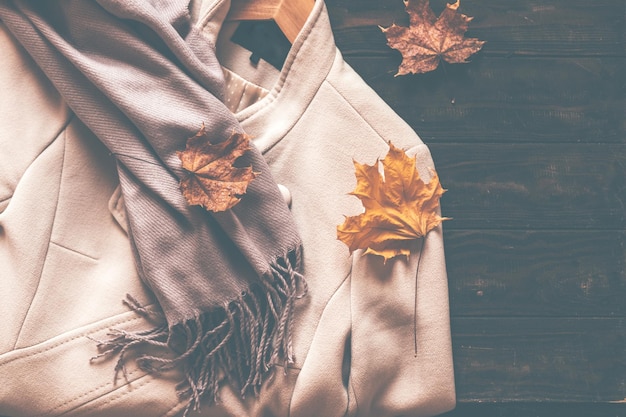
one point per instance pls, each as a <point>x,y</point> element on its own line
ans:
<point>239,344</point>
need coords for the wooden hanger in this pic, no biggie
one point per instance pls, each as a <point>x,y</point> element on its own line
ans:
<point>289,15</point>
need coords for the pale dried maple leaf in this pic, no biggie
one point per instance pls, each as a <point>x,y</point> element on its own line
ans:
<point>398,209</point>
<point>429,39</point>
<point>210,179</point>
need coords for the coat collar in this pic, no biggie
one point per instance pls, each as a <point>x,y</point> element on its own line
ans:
<point>287,93</point>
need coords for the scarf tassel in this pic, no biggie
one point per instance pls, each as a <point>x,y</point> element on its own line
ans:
<point>239,344</point>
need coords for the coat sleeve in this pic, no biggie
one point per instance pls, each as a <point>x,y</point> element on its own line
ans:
<point>401,356</point>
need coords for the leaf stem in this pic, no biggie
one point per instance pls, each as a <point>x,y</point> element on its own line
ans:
<point>419,259</point>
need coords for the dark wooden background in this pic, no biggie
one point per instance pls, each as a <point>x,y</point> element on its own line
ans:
<point>530,140</point>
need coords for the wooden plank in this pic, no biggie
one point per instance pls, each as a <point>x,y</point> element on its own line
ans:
<point>560,100</point>
<point>516,186</point>
<point>540,359</point>
<point>553,27</point>
<point>548,28</point>
<point>534,409</point>
<point>536,273</point>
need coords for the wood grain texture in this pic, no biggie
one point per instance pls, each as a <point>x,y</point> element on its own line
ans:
<point>540,186</point>
<point>537,273</point>
<point>552,359</point>
<point>538,409</point>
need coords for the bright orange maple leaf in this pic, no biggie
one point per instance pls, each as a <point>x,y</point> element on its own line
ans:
<point>398,209</point>
<point>210,179</point>
<point>429,39</point>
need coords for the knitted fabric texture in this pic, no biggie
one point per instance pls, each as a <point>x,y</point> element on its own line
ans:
<point>143,79</point>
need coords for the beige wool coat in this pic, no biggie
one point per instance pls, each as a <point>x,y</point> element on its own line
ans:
<point>66,263</point>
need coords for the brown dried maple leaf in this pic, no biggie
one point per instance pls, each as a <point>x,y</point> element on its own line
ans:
<point>210,179</point>
<point>429,39</point>
<point>398,209</point>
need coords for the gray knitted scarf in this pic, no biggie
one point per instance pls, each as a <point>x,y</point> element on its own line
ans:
<point>143,79</point>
